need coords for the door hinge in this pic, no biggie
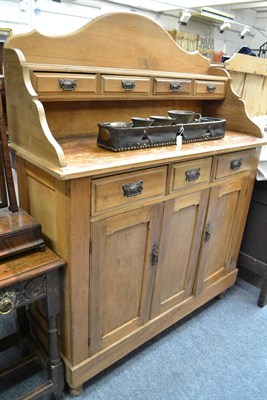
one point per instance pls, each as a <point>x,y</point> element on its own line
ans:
<point>154,255</point>
<point>90,246</point>
<point>207,233</point>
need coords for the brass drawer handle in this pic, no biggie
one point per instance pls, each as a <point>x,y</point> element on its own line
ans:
<point>128,85</point>
<point>67,85</point>
<point>192,174</point>
<point>132,188</point>
<point>175,86</point>
<point>7,301</point>
<point>211,88</point>
<point>235,164</point>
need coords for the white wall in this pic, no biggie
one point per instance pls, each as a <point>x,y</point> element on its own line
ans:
<point>54,18</point>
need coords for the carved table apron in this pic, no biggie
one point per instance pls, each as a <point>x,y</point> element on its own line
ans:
<point>24,279</point>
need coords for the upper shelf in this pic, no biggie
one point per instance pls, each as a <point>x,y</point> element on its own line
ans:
<point>61,87</point>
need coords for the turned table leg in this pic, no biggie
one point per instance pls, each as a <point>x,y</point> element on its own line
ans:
<point>55,366</point>
<point>262,301</point>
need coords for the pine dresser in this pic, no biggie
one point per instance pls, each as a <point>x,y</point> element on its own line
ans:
<point>136,263</point>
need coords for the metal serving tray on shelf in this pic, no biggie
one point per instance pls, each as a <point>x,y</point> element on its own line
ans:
<point>122,136</point>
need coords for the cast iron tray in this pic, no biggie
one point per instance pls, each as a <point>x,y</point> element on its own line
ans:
<point>123,136</point>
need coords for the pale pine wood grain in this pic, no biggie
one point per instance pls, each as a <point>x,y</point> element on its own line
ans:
<point>27,123</point>
<point>247,64</point>
<point>249,80</point>
<point>114,298</point>
<point>180,240</point>
<point>103,44</point>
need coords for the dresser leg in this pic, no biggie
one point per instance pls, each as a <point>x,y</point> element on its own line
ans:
<point>76,391</point>
<point>221,296</point>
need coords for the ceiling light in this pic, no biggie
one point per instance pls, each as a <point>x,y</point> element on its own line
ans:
<point>224,26</point>
<point>244,32</point>
<point>185,17</point>
<point>216,14</point>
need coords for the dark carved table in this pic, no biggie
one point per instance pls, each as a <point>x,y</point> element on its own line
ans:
<point>24,279</point>
<point>253,252</point>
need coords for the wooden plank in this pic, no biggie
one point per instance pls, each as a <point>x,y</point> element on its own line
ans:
<point>8,177</point>
<point>84,158</point>
<point>27,123</point>
<point>77,280</point>
<point>101,43</point>
<point>249,81</point>
<point>254,94</point>
<point>24,266</point>
<point>237,82</point>
<point>232,108</point>
<point>247,64</point>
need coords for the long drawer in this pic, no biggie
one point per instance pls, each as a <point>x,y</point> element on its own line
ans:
<point>66,84</point>
<point>125,189</point>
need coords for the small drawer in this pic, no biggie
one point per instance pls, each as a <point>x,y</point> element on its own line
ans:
<point>172,86</point>
<point>63,83</point>
<point>189,173</point>
<point>124,189</point>
<point>114,84</point>
<point>233,163</point>
<point>209,88</point>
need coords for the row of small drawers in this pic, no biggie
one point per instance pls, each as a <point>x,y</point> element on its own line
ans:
<point>45,82</point>
<point>123,189</point>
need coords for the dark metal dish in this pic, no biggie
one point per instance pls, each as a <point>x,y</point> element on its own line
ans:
<point>159,120</point>
<point>138,121</point>
<point>128,137</point>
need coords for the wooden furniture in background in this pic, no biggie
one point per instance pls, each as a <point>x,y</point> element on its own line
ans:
<point>8,181</point>
<point>253,252</point>
<point>5,33</point>
<point>24,279</point>
<point>19,232</point>
<point>249,81</point>
<point>3,190</point>
<point>136,264</point>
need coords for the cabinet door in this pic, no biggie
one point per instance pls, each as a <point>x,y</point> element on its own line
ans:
<point>124,249</point>
<point>183,224</point>
<point>223,232</point>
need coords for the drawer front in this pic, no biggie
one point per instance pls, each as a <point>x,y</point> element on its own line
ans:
<point>64,83</point>
<point>124,84</point>
<point>172,86</point>
<point>233,163</point>
<point>190,173</point>
<point>209,88</point>
<point>125,189</point>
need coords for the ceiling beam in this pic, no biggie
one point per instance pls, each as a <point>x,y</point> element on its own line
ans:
<point>253,4</point>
